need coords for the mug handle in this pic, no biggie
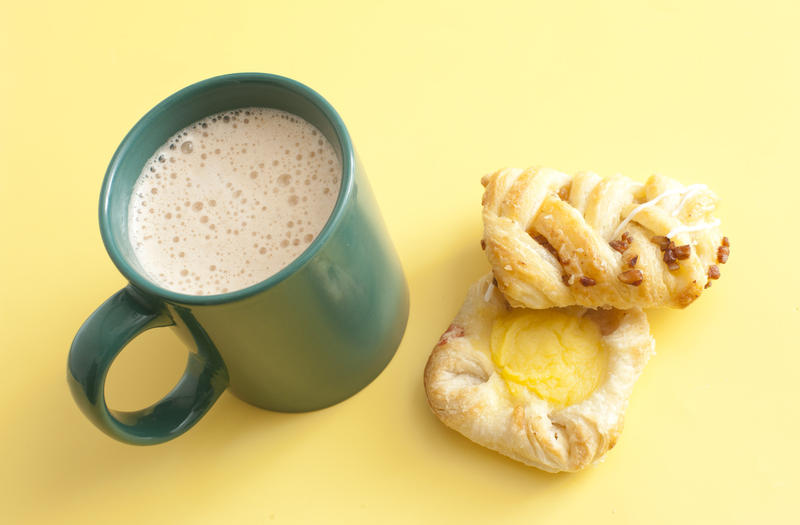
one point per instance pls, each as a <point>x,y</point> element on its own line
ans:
<point>104,334</point>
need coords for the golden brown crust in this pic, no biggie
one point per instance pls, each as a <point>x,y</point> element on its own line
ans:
<point>554,240</point>
<point>466,392</point>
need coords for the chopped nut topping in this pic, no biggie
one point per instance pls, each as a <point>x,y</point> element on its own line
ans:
<point>682,252</point>
<point>713,272</point>
<point>725,242</point>
<point>633,260</point>
<point>722,254</point>
<point>632,277</point>
<point>618,245</point>
<point>622,244</point>
<point>708,285</point>
<point>453,331</point>
<point>566,278</point>
<point>587,281</point>
<point>483,244</point>
<point>671,251</point>
<point>661,241</point>
<point>541,239</point>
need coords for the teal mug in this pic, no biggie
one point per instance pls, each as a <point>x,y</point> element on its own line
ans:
<point>309,336</point>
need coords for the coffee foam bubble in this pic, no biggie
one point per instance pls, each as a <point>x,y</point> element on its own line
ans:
<point>231,199</point>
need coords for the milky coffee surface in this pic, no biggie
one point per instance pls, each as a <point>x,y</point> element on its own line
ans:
<point>232,199</point>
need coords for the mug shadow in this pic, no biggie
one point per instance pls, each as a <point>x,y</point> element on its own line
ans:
<point>434,304</point>
<point>72,459</point>
<point>82,459</point>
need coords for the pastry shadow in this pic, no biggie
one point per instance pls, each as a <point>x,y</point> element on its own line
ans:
<point>438,291</point>
<point>462,449</point>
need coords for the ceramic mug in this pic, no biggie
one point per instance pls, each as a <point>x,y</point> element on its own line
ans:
<point>309,336</point>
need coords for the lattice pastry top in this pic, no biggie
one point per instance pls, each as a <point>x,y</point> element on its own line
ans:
<point>557,240</point>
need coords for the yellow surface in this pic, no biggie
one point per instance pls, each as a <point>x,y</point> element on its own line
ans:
<point>559,357</point>
<point>435,96</point>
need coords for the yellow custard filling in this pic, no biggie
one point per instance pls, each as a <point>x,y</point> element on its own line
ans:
<point>559,357</point>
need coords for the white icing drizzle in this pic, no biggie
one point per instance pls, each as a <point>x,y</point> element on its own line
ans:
<point>642,206</point>
<point>690,192</point>
<point>695,228</point>
<point>488,294</point>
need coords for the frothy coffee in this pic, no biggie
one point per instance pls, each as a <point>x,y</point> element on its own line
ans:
<point>232,199</point>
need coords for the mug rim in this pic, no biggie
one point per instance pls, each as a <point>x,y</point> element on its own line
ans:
<point>345,189</point>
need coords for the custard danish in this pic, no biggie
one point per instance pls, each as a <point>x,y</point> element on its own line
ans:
<point>547,388</point>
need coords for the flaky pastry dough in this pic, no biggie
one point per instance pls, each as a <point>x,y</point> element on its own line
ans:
<point>466,391</point>
<point>558,240</point>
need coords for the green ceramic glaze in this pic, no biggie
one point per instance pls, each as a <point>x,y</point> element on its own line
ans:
<point>308,337</point>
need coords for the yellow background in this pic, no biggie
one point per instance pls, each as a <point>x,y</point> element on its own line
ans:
<point>435,95</point>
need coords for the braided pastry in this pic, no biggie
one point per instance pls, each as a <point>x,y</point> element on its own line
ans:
<point>478,393</point>
<point>557,240</point>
